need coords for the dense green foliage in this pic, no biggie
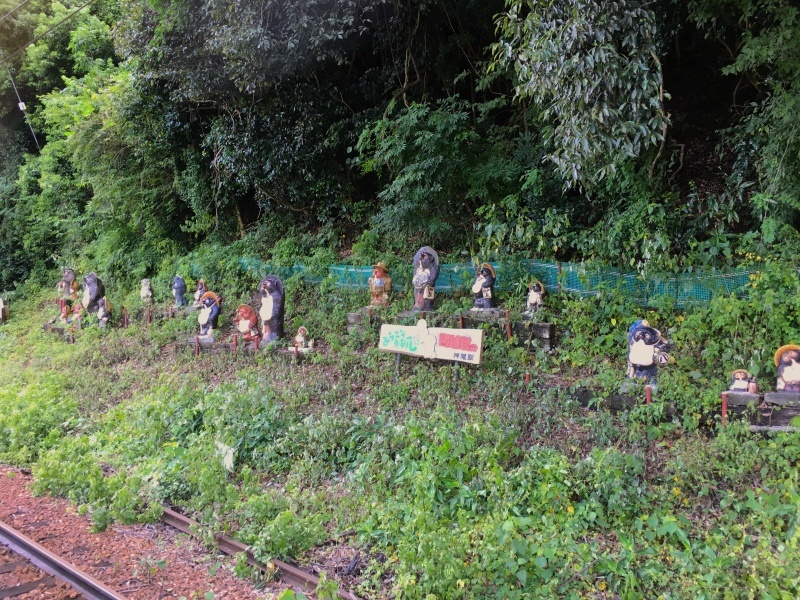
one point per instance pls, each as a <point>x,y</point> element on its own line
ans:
<point>558,128</point>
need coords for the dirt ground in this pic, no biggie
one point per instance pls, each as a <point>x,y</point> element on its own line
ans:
<point>141,562</point>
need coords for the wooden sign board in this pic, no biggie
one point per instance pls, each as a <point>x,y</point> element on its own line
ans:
<point>462,345</point>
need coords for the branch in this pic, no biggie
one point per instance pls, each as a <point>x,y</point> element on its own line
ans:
<point>298,209</point>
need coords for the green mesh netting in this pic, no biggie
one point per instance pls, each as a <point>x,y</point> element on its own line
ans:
<point>576,278</point>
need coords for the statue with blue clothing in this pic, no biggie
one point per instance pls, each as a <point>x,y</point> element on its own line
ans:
<point>647,349</point>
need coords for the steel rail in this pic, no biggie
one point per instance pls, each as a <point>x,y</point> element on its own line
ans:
<point>293,575</point>
<point>91,588</point>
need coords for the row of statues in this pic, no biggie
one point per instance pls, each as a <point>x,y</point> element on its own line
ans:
<point>426,271</point>
<point>93,301</point>
<point>647,347</point>
<point>787,362</point>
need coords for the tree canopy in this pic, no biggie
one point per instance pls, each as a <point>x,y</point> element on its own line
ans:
<point>560,128</point>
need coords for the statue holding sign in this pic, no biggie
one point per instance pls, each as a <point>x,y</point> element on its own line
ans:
<point>209,314</point>
<point>535,297</point>
<point>380,285</point>
<point>646,350</point>
<point>426,270</point>
<point>483,288</point>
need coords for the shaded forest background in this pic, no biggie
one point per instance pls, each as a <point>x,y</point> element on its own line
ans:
<point>655,136</point>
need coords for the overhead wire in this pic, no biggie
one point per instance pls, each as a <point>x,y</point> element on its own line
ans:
<point>13,10</point>
<point>37,38</point>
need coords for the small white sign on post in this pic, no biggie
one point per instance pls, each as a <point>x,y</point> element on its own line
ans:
<point>462,345</point>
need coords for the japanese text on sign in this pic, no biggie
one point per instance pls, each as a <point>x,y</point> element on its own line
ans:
<point>463,345</point>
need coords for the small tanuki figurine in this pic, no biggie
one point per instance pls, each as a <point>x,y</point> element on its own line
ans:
<point>93,290</point>
<point>426,270</point>
<point>646,350</point>
<point>209,313</point>
<point>380,285</point>
<point>787,359</point>
<point>103,312</point>
<point>179,290</point>
<point>246,321</point>
<point>271,311</point>
<point>740,381</point>
<point>301,343</point>
<point>483,288</point>
<point>201,289</point>
<point>146,291</point>
<point>68,286</point>
<point>535,297</point>
<point>76,315</point>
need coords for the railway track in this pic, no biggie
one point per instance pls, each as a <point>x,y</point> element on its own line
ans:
<point>54,570</point>
<point>28,570</point>
<point>288,573</point>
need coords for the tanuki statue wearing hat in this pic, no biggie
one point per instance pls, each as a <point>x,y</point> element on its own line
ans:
<point>787,359</point>
<point>483,288</point>
<point>380,285</point>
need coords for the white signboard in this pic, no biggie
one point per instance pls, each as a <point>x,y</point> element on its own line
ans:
<point>463,345</point>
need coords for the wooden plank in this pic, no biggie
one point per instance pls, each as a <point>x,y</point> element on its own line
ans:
<point>743,398</point>
<point>774,416</point>
<point>759,429</point>
<point>782,398</point>
<point>24,588</point>
<point>545,331</point>
<point>485,315</point>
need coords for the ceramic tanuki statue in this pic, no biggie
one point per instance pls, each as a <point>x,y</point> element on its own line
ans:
<point>787,359</point>
<point>646,350</point>
<point>271,312</point>
<point>103,312</point>
<point>93,291</point>
<point>535,297</point>
<point>426,270</point>
<point>179,290</point>
<point>146,291</point>
<point>301,341</point>
<point>740,380</point>
<point>201,289</point>
<point>209,313</point>
<point>483,288</point>
<point>246,321</point>
<point>380,285</point>
<point>68,286</point>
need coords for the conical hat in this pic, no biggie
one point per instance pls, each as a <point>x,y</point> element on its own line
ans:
<point>487,266</point>
<point>746,373</point>
<point>210,295</point>
<point>779,352</point>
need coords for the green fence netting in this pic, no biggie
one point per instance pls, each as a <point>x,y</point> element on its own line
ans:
<point>682,289</point>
